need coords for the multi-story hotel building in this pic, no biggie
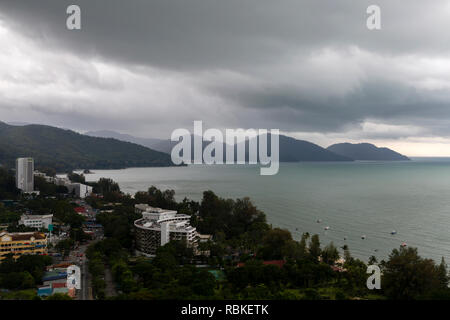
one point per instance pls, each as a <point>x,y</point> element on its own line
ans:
<point>159,226</point>
<point>20,243</point>
<point>25,174</point>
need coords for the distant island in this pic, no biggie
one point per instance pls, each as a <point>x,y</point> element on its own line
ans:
<point>366,151</point>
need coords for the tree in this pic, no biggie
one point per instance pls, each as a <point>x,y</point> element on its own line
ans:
<point>302,246</point>
<point>443,274</point>
<point>27,280</point>
<point>372,260</point>
<point>8,217</point>
<point>408,276</point>
<point>74,177</point>
<point>59,296</point>
<point>277,244</point>
<point>330,254</point>
<point>105,186</point>
<point>119,224</point>
<point>314,248</point>
<point>311,294</point>
<point>355,277</point>
<point>165,257</point>
<point>203,283</point>
<point>162,199</point>
<point>64,246</point>
<point>347,256</point>
<point>8,189</point>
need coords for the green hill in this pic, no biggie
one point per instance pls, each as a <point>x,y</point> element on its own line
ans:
<point>67,150</point>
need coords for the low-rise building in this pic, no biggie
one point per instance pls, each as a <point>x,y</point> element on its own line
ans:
<point>204,237</point>
<point>20,243</point>
<point>159,226</point>
<point>80,190</point>
<point>36,221</point>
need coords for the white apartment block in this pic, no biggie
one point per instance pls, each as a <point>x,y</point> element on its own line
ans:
<point>36,221</point>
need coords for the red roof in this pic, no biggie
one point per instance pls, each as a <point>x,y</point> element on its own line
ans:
<point>337,269</point>
<point>61,265</point>
<point>58,285</point>
<point>278,263</point>
<point>80,209</point>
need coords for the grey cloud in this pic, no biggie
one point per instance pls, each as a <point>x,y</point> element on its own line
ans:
<point>260,60</point>
<point>227,34</point>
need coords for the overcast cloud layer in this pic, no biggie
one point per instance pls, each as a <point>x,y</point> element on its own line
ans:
<point>310,68</point>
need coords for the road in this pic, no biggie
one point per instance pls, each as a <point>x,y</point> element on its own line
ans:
<point>110,289</point>
<point>86,290</point>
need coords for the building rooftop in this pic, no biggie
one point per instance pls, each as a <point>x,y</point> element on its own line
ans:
<point>36,216</point>
<point>59,285</point>
<point>150,209</point>
<point>174,223</point>
<point>24,236</point>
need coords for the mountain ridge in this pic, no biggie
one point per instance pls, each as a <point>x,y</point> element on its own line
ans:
<point>146,142</point>
<point>66,150</point>
<point>291,149</point>
<point>366,151</point>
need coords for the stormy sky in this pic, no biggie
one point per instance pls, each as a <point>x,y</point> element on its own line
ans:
<point>310,68</point>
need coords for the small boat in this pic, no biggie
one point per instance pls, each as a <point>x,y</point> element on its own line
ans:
<point>327,228</point>
<point>393,232</point>
<point>319,220</point>
<point>345,238</point>
<point>363,236</point>
<point>403,244</point>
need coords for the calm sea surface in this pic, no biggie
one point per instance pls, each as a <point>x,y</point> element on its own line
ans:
<point>353,199</point>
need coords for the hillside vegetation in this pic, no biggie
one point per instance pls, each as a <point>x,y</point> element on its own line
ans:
<point>67,150</point>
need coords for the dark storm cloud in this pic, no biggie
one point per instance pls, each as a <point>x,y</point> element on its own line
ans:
<point>227,34</point>
<point>294,65</point>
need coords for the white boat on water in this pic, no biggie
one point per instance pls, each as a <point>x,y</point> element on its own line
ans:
<point>363,236</point>
<point>327,228</point>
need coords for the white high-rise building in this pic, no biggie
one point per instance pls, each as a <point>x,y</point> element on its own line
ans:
<point>159,226</point>
<point>24,174</point>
